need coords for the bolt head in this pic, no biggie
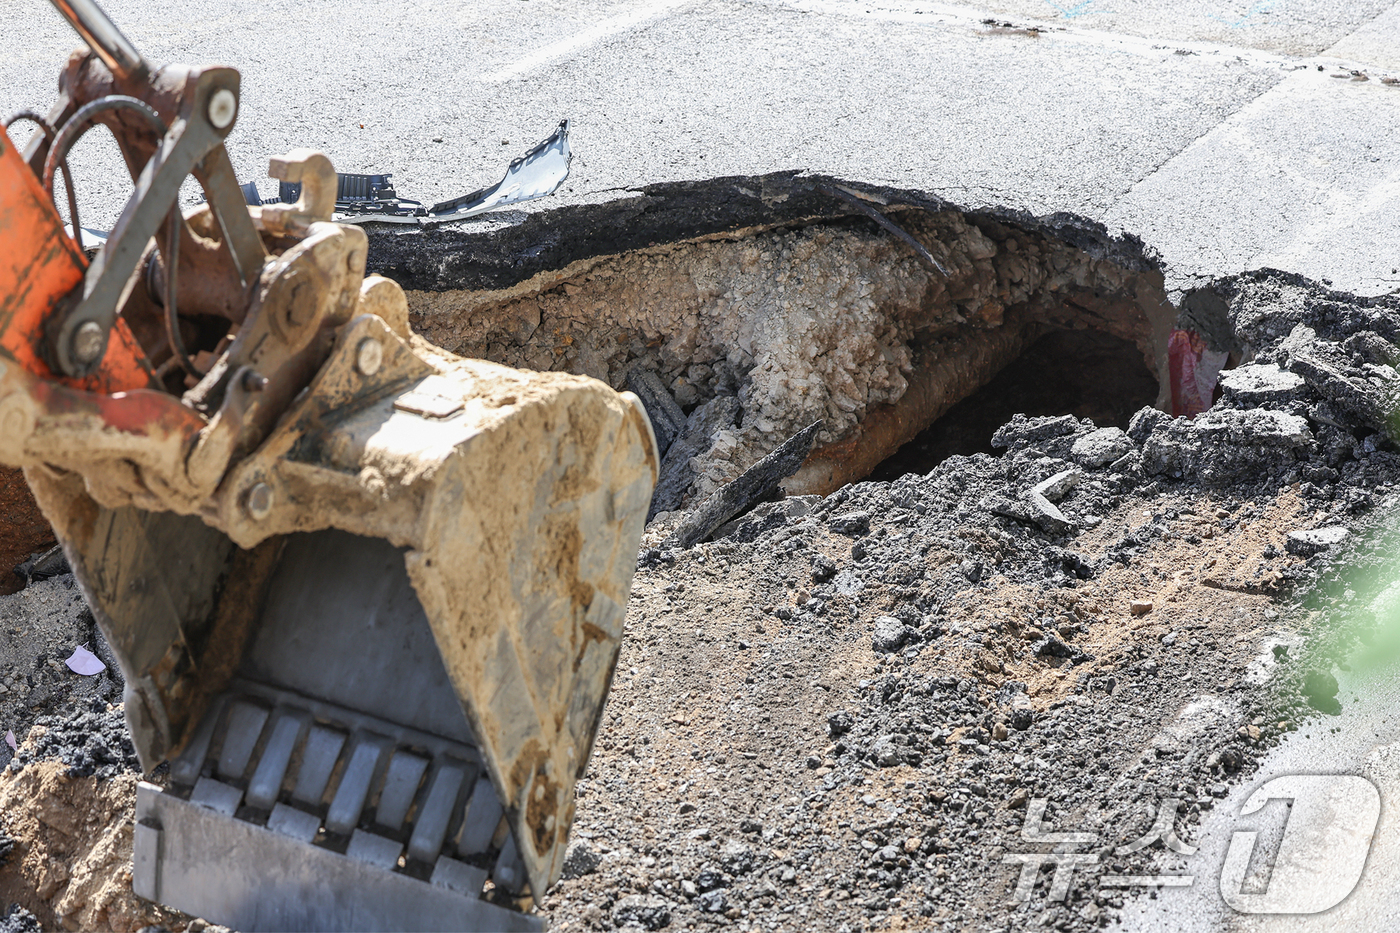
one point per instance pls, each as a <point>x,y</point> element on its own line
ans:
<point>259,502</point>
<point>223,107</point>
<point>89,340</point>
<point>369,356</point>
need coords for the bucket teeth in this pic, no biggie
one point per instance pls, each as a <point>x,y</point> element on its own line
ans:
<point>318,759</point>
<point>335,780</point>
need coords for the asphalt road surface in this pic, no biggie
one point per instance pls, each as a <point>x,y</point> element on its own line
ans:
<point>1226,135</point>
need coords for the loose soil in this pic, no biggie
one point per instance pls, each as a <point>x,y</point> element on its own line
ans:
<point>840,714</point>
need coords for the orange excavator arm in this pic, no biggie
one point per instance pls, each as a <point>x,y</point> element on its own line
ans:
<point>41,269</point>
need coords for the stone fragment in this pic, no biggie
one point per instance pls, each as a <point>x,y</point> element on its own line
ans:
<point>1316,540</point>
<point>890,634</point>
<point>1360,394</point>
<point>737,857</point>
<point>1096,448</point>
<point>1021,432</point>
<point>1141,607</point>
<point>644,910</point>
<point>839,723</point>
<point>885,751</point>
<point>1371,347</point>
<point>756,483</point>
<point>667,418</point>
<point>1042,496</point>
<point>713,902</point>
<point>1011,508</point>
<point>1145,422</point>
<point>850,523</point>
<point>1056,487</point>
<point>709,879</point>
<point>798,506</point>
<point>1224,446</point>
<point>579,860</point>
<point>1255,383</point>
<point>848,584</point>
<point>676,475</point>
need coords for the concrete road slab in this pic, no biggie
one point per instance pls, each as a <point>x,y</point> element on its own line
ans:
<point>696,91</point>
<point>1291,28</point>
<point>1374,43</point>
<point>371,83</point>
<point>1305,179</point>
<point>1186,150</point>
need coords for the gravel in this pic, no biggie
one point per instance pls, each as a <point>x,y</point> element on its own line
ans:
<point>90,741</point>
<point>1317,540</point>
<point>18,920</point>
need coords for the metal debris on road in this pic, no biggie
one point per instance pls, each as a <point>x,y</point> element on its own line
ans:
<point>371,198</point>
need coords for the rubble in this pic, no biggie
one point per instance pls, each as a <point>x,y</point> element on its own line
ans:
<point>1226,446</point>
<point>757,483</point>
<point>40,626</point>
<point>1254,384</point>
<point>1100,447</point>
<point>1317,540</point>
<point>677,472</point>
<point>890,634</point>
<point>667,418</point>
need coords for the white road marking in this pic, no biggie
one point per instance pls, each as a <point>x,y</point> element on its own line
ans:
<point>591,35</point>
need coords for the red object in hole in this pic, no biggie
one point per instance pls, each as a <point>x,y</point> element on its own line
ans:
<point>1194,369</point>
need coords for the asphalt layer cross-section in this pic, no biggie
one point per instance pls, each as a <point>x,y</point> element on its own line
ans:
<point>1227,135</point>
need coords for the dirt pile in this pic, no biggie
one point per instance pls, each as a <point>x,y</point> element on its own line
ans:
<point>838,715</point>
<point>71,860</point>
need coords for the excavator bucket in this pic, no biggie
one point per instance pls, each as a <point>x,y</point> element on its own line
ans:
<point>376,686</point>
<point>366,596</point>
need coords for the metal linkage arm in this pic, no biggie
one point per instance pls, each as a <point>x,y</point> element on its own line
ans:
<point>79,338</point>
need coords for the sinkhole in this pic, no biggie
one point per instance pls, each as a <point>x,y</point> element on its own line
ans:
<point>1086,373</point>
<point>801,308</point>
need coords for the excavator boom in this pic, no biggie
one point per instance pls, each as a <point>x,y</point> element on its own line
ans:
<point>366,596</point>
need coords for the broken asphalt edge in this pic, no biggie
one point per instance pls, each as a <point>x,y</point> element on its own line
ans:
<point>459,257</point>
